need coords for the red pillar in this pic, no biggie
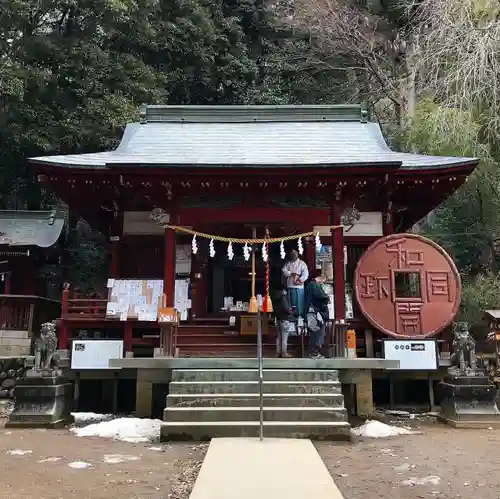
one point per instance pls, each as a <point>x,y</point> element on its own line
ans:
<point>198,286</point>
<point>169,271</point>
<point>63,335</point>
<point>115,241</point>
<point>114,270</point>
<point>338,262</point>
<point>387,215</point>
<point>8,283</point>
<point>127,337</point>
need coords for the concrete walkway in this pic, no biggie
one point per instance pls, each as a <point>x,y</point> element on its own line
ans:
<point>246,468</point>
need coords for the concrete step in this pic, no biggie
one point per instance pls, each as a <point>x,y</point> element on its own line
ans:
<point>309,387</point>
<point>206,414</point>
<point>253,375</point>
<point>252,400</point>
<point>200,430</point>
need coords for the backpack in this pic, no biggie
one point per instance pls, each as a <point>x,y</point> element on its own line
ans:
<point>314,320</point>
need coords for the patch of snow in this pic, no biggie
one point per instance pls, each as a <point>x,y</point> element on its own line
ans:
<point>132,430</point>
<point>402,468</point>
<point>156,448</point>
<point>90,417</point>
<point>376,429</point>
<point>119,458</point>
<point>426,480</point>
<point>49,460</point>
<point>79,465</point>
<point>19,452</point>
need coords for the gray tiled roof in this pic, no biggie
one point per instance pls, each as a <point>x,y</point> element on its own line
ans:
<point>30,228</point>
<point>240,136</point>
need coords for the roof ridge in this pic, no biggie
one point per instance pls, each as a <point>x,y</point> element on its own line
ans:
<point>248,114</point>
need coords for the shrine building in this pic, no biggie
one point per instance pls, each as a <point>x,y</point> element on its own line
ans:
<point>28,240</point>
<point>235,171</point>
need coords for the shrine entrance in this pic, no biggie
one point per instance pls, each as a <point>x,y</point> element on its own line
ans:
<point>228,281</point>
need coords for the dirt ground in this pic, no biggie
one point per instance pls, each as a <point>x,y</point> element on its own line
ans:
<point>147,470</point>
<point>442,463</point>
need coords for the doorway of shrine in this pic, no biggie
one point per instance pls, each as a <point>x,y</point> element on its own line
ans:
<point>230,280</point>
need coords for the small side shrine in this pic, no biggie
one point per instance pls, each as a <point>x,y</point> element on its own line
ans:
<point>27,239</point>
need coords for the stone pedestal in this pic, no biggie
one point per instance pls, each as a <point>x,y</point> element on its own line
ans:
<point>469,402</point>
<point>43,399</point>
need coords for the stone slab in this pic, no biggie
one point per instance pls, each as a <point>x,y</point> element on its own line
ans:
<point>20,335</point>
<point>14,351</point>
<point>207,414</point>
<point>181,387</point>
<point>270,469</point>
<point>252,400</point>
<point>196,375</point>
<point>339,431</point>
<point>249,363</point>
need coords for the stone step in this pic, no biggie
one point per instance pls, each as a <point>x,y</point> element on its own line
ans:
<point>252,400</point>
<point>206,414</point>
<point>309,387</point>
<point>253,375</point>
<point>199,430</point>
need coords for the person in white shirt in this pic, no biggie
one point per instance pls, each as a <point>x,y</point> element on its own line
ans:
<point>296,274</point>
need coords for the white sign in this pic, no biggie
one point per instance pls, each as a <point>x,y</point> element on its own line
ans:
<point>95,354</point>
<point>413,355</point>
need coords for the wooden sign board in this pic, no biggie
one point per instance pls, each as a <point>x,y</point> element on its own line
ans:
<point>249,325</point>
<point>134,299</point>
<point>168,315</point>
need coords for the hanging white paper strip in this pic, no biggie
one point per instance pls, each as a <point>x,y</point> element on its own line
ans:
<point>300,246</point>
<point>230,253</point>
<point>264,252</point>
<point>317,242</point>
<point>282,250</point>
<point>246,252</point>
<point>194,245</point>
<point>211,248</point>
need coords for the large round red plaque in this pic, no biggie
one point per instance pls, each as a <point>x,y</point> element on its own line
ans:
<point>407,286</point>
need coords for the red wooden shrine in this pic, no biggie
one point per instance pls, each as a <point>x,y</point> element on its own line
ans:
<point>226,170</point>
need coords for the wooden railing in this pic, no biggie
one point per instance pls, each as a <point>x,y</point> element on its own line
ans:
<point>73,305</point>
<point>26,312</point>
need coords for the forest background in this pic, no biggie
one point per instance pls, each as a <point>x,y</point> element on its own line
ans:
<point>74,72</point>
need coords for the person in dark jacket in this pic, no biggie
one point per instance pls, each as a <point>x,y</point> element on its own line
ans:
<point>317,313</point>
<point>286,320</point>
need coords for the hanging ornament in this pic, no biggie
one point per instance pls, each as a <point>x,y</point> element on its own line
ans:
<point>246,252</point>
<point>282,250</point>
<point>230,253</point>
<point>211,248</point>
<point>194,245</point>
<point>264,252</point>
<point>300,246</point>
<point>317,242</point>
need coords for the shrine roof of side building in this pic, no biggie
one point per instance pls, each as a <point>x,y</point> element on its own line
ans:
<point>255,137</point>
<point>30,228</point>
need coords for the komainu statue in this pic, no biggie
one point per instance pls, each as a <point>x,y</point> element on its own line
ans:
<point>45,347</point>
<point>463,358</point>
